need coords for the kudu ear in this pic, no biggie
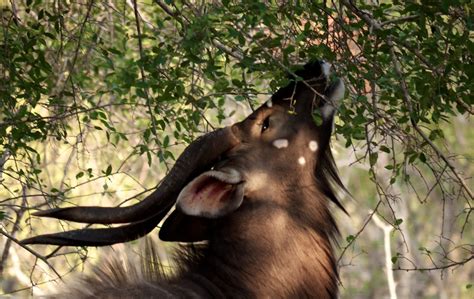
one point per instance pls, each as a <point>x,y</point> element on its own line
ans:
<point>213,194</point>
<point>179,227</point>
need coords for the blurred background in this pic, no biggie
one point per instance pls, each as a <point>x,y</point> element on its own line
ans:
<point>98,99</point>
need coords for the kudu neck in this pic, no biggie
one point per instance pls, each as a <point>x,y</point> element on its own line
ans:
<point>276,248</point>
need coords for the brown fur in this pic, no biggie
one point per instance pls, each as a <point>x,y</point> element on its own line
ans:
<point>288,255</point>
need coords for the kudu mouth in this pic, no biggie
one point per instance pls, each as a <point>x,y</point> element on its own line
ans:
<point>212,194</point>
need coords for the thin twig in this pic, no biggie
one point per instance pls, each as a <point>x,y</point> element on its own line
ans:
<point>369,218</point>
<point>16,226</point>
<point>143,77</point>
<point>78,46</point>
<point>39,256</point>
<point>400,20</point>
<point>3,160</point>
<point>447,266</point>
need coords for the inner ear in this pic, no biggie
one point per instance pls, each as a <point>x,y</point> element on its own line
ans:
<point>213,194</point>
<point>179,227</point>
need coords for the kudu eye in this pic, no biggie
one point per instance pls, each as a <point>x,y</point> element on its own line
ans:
<point>266,124</point>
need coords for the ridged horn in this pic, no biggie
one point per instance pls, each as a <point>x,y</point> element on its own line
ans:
<point>99,236</point>
<point>199,156</point>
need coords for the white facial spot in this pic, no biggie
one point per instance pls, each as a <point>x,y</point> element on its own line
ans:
<point>269,103</point>
<point>313,146</point>
<point>325,67</point>
<point>301,160</point>
<point>280,143</point>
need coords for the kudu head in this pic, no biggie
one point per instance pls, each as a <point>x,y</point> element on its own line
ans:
<point>277,147</point>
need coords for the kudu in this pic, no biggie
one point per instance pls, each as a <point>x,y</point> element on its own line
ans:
<point>258,192</point>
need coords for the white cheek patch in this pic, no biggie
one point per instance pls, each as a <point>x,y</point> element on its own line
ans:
<point>280,143</point>
<point>302,160</point>
<point>313,146</point>
<point>269,103</point>
<point>256,181</point>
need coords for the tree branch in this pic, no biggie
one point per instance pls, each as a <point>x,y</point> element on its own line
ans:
<point>16,226</point>
<point>408,104</point>
<point>406,96</point>
<point>400,20</point>
<point>447,266</point>
<point>216,43</point>
<point>388,254</point>
<point>39,256</point>
<point>367,221</point>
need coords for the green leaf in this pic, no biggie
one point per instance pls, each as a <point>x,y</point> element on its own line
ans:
<point>385,149</point>
<point>108,171</point>
<point>394,259</point>
<point>398,221</point>
<point>146,135</point>
<point>141,93</point>
<point>149,159</point>
<point>166,141</point>
<point>317,118</point>
<point>422,158</point>
<point>373,158</point>
<point>79,175</point>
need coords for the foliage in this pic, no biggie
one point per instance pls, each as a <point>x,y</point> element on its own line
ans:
<point>137,80</point>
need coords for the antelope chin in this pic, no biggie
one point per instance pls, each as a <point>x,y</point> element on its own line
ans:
<point>212,194</point>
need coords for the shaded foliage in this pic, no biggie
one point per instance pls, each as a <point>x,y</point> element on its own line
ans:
<point>153,75</point>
